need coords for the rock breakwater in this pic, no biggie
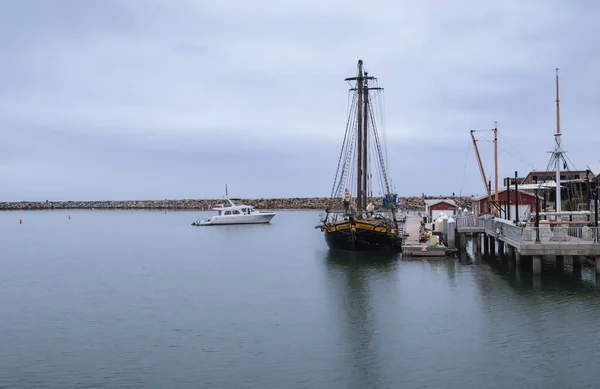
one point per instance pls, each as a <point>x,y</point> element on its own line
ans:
<point>409,203</point>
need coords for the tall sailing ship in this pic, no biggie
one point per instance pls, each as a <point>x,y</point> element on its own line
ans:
<point>359,223</point>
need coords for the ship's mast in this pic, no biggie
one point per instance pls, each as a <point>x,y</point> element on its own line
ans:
<point>365,140</point>
<point>359,111</point>
<point>362,113</point>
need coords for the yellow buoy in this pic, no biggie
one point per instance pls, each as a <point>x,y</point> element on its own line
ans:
<point>20,221</point>
<point>69,217</point>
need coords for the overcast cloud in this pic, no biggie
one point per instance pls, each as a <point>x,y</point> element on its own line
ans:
<point>143,99</point>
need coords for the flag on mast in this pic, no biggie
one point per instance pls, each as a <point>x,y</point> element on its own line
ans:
<point>226,193</point>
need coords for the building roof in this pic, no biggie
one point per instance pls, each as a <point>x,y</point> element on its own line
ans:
<point>552,173</point>
<point>429,203</point>
<point>478,198</point>
<point>540,186</point>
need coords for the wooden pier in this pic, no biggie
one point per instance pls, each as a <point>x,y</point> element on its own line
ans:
<point>521,243</point>
<point>413,248</point>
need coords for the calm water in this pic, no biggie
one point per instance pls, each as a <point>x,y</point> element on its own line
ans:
<point>140,299</point>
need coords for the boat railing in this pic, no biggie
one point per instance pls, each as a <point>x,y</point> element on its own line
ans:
<point>338,215</point>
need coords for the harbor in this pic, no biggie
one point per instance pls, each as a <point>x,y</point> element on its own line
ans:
<point>285,194</point>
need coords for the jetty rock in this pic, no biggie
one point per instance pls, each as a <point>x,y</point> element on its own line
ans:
<point>318,203</point>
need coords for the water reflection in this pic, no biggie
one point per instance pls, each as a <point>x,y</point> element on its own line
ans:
<point>553,280</point>
<point>451,271</point>
<point>362,260</point>
<point>351,276</point>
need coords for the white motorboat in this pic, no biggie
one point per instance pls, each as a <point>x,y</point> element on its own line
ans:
<point>235,214</point>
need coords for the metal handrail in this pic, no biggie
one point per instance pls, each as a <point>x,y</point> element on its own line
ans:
<point>512,232</point>
<point>520,234</point>
<point>559,234</point>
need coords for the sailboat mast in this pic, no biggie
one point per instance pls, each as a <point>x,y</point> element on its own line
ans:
<point>359,111</point>
<point>365,140</point>
<point>362,113</point>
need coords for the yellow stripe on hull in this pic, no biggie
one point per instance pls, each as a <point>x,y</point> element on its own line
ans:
<point>359,225</point>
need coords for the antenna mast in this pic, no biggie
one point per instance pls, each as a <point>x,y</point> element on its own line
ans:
<point>558,152</point>
<point>496,160</point>
<point>557,106</point>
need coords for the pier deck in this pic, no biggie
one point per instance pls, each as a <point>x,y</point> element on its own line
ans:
<point>526,241</point>
<point>412,247</point>
<point>544,240</point>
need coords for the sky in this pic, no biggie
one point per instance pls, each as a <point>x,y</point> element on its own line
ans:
<point>149,99</point>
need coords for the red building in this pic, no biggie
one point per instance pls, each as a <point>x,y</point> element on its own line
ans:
<point>433,208</point>
<point>480,204</point>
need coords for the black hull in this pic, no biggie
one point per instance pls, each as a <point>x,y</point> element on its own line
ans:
<point>362,241</point>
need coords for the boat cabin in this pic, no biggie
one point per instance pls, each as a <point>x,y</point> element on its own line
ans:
<point>246,210</point>
<point>232,209</point>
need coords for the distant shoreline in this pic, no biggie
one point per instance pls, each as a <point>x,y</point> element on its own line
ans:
<point>410,203</point>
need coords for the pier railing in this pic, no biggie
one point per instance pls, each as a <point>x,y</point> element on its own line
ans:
<point>512,232</point>
<point>468,221</point>
<point>520,234</point>
<point>560,234</point>
<point>490,225</point>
